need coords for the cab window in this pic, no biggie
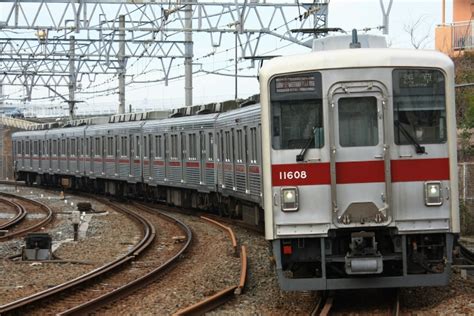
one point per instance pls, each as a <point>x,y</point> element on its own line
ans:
<point>419,106</point>
<point>296,111</point>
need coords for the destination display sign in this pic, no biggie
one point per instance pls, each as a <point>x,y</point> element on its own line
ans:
<point>417,79</point>
<point>295,84</point>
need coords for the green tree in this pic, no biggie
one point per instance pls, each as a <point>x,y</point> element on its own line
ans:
<point>465,101</point>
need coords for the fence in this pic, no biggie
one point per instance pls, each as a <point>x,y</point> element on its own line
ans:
<point>463,35</point>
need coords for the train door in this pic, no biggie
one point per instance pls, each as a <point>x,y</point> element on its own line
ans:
<point>359,161</point>
<point>203,157</point>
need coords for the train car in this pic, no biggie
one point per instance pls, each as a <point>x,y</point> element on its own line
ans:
<point>238,161</point>
<point>28,154</point>
<point>359,164</point>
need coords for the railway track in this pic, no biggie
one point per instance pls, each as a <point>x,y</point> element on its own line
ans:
<point>364,302</point>
<point>19,216</point>
<point>15,229</point>
<point>41,300</point>
<point>128,288</point>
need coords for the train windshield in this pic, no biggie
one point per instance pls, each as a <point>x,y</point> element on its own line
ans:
<point>297,114</point>
<point>419,106</point>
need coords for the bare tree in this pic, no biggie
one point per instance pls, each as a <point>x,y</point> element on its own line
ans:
<point>413,29</point>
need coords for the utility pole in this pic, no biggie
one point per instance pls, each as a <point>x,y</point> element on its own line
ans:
<point>188,52</point>
<point>72,77</point>
<point>1,93</point>
<point>122,68</point>
<point>235,65</point>
<point>386,15</point>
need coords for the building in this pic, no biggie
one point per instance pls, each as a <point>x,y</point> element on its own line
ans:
<point>456,37</point>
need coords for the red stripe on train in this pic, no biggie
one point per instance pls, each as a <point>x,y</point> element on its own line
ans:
<point>360,172</point>
<point>192,164</point>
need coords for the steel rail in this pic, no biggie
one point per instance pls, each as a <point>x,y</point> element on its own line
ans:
<point>47,219</point>
<point>149,235</point>
<point>20,213</point>
<point>227,228</point>
<point>141,282</point>
<point>221,297</point>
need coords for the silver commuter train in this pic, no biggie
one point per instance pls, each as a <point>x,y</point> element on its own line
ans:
<point>360,168</point>
<point>209,161</point>
<point>358,155</point>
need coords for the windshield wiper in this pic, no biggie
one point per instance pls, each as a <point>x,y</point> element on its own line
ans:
<point>300,156</point>
<point>418,148</point>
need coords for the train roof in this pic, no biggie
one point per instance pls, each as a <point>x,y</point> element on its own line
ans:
<point>188,121</point>
<point>356,58</point>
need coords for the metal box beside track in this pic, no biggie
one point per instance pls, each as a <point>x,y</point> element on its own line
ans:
<point>37,247</point>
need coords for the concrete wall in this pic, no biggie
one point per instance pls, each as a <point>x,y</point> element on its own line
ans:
<point>463,10</point>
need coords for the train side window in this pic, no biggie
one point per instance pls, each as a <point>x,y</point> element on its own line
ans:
<point>358,121</point>
<point>192,147</point>
<point>158,151</point>
<point>227,146</point>
<point>97,146</point>
<point>174,146</point>
<point>73,147</point>
<point>419,106</point>
<point>123,146</point>
<point>145,146</point>
<point>110,146</point>
<point>253,145</point>
<point>87,148</point>
<point>35,147</point>
<point>239,146</point>
<point>183,147</point>
<point>137,146</point>
<point>211,147</point>
<point>63,147</point>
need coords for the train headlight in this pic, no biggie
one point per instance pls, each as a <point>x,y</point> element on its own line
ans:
<point>433,193</point>
<point>289,199</point>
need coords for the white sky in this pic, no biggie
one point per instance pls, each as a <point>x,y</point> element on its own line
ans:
<point>347,14</point>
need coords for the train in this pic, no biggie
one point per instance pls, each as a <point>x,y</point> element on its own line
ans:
<point>348,158</point>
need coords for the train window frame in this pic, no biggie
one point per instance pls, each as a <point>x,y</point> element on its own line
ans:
<point>420,89</point>
<point>35,148</point>
<point>123,146</point>
<point>145,146</point>
<point>183,151</point>
<point>254,146</point>
<point>192,154</point>
<point>110,146</point>
<point>137,146</point>
<point>298,94</point>
<point>174,147</point>
<point>239,136</point>
<point>374,117</point>
<point>227,144</point>
<point>73,147</point>
<point>158,147</point>
<point>210,155</point>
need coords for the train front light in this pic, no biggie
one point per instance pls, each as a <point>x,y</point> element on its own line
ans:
<point>433,193</point>
<point>289,199</point>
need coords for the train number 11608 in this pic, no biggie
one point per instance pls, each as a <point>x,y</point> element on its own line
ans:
<point>289,175</point>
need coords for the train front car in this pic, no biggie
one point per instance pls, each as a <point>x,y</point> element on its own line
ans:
<point>359,158</point>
